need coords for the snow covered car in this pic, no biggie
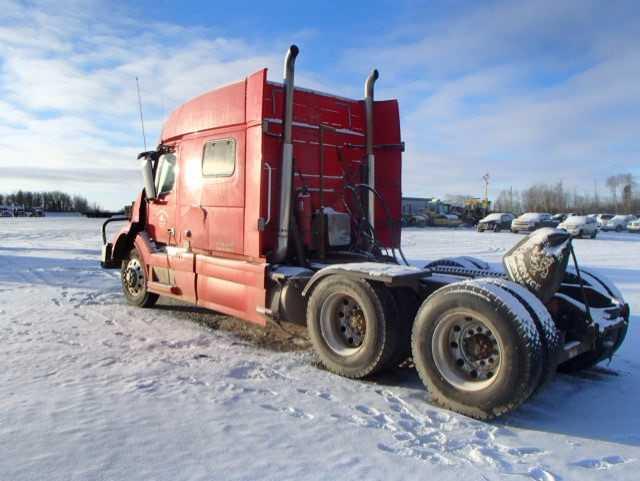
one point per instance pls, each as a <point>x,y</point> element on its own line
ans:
<point>446,220</point>
<point>580,226</point>
<point>496,222</point>
<point>617,223</point>
<point>562,217</point>
<point>532,221</point>
<point>634,226</point>
<point>602,219</point>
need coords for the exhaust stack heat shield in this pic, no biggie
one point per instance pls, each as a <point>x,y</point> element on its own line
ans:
<point>539,261</point>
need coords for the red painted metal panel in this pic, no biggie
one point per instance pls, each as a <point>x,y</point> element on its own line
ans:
<point>234,287</point>
<point>344,155</point>
<point>255,171</point>
<point>219,108</point>
<point>388,171</point>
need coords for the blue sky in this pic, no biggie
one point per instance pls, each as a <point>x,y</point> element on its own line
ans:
<point>528,91</point>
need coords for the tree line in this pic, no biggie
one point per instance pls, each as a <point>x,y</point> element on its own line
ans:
<point>621,197</point>
<point>52,201</point>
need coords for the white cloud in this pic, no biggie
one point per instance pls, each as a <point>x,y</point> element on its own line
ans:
<point>536,91</point>
<point>67,86</point>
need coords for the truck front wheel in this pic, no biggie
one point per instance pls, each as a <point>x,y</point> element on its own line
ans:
<point>134,281</point>
<point>476,350</point>
<point>350,326</point>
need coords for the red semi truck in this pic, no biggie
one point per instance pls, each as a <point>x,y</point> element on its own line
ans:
<point>267,201</point>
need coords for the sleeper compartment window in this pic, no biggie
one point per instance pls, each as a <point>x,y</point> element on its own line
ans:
<point>219,158</point>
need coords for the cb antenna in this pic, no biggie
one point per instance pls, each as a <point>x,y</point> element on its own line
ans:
<point>144,136</point>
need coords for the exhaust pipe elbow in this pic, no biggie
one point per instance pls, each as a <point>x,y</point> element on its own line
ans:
<point>368,105</point>
<point>290,59</point>
<point>288,76</point>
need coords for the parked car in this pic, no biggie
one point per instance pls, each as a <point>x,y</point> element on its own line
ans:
<point>446,220</point>
<point>37,212</point>
<point>603,219</point>
<point>617,223</point>
<point>415,220</point>
<point>634,226</point>
<point>496,222</point>
<point>580,226</point>
<point>562,217</point>
<point>532,221</point>
<point>5,212</point>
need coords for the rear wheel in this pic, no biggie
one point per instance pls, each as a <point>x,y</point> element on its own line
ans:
<point>350,326</point>
<point>476,353</point>
<point>594,234</point>
<point>134,281</point>
<point>550,337</point>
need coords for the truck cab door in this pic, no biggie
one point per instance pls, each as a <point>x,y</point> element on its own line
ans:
<point>162,209</point>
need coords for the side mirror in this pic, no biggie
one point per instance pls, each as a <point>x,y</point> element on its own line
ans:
<point>147,177</point>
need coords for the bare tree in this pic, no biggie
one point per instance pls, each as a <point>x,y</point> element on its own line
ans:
<point>612,184</point>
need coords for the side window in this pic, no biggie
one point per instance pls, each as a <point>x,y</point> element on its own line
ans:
<point>219,158</point>
<point>166,174</point>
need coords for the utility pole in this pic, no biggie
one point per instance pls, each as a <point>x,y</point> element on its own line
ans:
<point>485,178</point>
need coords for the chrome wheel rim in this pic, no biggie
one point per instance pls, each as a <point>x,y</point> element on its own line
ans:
<point>342,324</point>
<point>134,277</point>
<point>467,350</point>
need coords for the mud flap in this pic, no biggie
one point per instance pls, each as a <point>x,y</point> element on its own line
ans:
<point>539,261</point>
<point>106,260</point>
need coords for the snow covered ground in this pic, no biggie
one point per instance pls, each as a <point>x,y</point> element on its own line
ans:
<point>92,389</point>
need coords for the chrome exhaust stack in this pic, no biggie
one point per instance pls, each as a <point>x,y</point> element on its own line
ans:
<point>287,157</point>
<point>371,160</point>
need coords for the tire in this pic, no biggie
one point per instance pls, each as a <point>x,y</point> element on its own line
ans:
<point>550,336</point>
<point>134,281</point>
<point>371,339</point>
<point>460,309</point>
<point>618,228</point>
<point>595,233</point>
<point>497,228</point>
